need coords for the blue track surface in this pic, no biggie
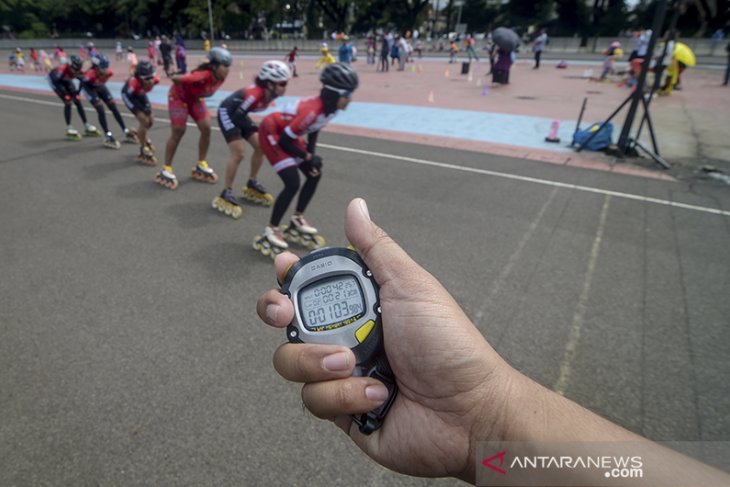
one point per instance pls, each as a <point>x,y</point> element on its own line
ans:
<point>516,130</point>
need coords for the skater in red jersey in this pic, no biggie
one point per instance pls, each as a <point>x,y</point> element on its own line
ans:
<point>280,136</point>
<point>186,98</point>
<point>134,94</point>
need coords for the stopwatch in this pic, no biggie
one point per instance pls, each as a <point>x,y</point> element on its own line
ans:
<point>336,302</point>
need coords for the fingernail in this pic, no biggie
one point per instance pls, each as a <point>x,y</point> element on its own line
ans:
<point>272,311</point>
<point>364,208</point>
<point>336,362</point>
<point>376,393</point>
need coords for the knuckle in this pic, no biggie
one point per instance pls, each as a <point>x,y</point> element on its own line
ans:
<point>346,395</point>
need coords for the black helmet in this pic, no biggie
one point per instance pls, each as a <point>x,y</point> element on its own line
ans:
<point>144,70</point>
<point>100,61</point>
<point>75,62</point>
<point>218,55</point>
<point>339,77</point>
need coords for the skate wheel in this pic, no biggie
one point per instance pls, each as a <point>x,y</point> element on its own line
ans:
<point>268,200</point>
<point>257,242</point>
<point>173,185</point>
<point>318,242</point>
<point>213,178</point>
<point>236,213</point>
<point>265,250</point>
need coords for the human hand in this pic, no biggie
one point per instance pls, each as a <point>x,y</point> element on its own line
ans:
<point>452,384</point>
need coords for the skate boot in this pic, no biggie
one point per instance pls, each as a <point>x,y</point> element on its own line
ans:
<point>166,178</point>
<point>256,193</point>
<point>228,204</point>
<point>130,136</point>
<point>203,172</point>
<point>111,142</point>
<point>299,231</point>
<point>72,133</point>
<point>91,130</point>
<point>271,243</point>
<point>146,156</point>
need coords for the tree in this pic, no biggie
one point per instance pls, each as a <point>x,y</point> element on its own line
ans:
<point>572,19</point>
<point>337,12</point>
<point>479,15</point>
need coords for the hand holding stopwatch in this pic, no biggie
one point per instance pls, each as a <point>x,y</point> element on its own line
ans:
<point>336,302</point>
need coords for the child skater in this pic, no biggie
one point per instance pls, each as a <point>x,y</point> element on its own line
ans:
<point>185,98</point>
<point>280,136</point>
<point>134,95</point>
<point>236,126</point>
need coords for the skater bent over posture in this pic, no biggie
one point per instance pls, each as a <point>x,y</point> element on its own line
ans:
<point>134,94</point>
<point>93,84</point>
<point>236,126</point>
<point>61,81</point>
<point>186,98</point>
<point>280,138</point>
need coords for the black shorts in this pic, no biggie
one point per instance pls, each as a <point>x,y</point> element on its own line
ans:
<point>235,127</point>
<point>65,89</point>
<point>95,93</point>
<point>136,103</point>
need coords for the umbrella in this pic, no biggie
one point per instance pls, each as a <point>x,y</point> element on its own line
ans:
<point>505,38</point>
<point>684,54</point>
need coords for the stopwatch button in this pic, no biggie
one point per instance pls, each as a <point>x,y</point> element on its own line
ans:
<point>362,333</point>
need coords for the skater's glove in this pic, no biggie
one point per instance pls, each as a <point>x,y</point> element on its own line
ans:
<point>316,162</point>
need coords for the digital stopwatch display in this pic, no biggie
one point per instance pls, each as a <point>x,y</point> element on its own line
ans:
<point>336,302</point>
<point>331,303</point>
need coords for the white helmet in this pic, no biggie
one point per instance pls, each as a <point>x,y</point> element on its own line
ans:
<point>275,71</point>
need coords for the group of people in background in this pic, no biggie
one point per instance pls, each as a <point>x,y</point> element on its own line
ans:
<point>280,136</point>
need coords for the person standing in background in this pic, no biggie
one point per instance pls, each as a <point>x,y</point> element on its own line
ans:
<point>166,53</point>
<point>539,45</point>
<point>727,70</point>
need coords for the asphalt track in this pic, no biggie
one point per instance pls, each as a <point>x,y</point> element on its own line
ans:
<point>130,352</point>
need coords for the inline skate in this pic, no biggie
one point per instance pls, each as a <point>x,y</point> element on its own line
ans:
<point>271,243</point>
<point>299,231</point>
<point>146,156</point>
<point>111,142</point>
<point>255,192</point>
<point>91,131</point>
<point>228,204</point>
<point>166,178</point>
<point>72,133</point>
<point>203,172</point>
<point>130,136</point>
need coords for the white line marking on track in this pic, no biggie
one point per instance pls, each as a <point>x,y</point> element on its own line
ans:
<point>453,167</point>
<point>546,182</point>
<point>566,364</point>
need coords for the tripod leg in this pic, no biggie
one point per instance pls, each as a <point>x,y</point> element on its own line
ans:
<point>649,124</point>
<point>585,142</point>
<point>656,157</point>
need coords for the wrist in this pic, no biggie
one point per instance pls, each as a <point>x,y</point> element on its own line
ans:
<point>492,421</point>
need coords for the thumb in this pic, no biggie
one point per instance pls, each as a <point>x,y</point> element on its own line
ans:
<point>385,258</point>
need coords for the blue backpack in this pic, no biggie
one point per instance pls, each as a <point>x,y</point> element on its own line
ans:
<point>599,142</point>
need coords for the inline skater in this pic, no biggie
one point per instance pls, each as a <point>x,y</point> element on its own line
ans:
<point>93,84</point>
<point>280,136</point>
<point>186,98</point>
<point>237,126</point>
<point>61,81</point>
<point>134,94</point>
